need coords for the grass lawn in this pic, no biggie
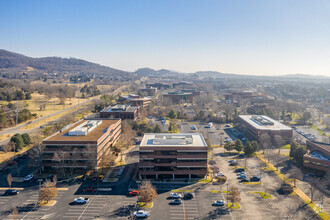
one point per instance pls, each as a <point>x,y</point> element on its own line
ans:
<point>146,204</point>
<point>263,194</point>
<point>288,146</point>
<point>183,190</point>
<point>6,156</point>
<point>252,183</point>
<point>320,131</point>
<point>49,203</point>
<point>207,180</point>
<point>233,206</point>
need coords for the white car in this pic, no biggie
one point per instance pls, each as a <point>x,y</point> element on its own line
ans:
<point>220,174</point>
<point>81,200</point>
<point>141,214</point>
<point>28,178</point>
<point>218,203</point>
<point>176,196</point>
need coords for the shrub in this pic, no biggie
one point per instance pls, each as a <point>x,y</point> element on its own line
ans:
<point>18,141</point>
<point>26,138</point>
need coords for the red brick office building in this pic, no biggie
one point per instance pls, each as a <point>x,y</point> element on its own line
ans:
<point>253,126</point>
<point>318,157</point>
<point>172,156</point>
<point>80,145</point>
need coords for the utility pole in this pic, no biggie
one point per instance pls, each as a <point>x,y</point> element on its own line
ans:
<point>16,111</point>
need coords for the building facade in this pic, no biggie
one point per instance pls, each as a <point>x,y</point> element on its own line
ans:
<point>135,100</point>
<point>172,156</point>
<point>253,126</point>
<point>81,145</point>
<point>318,157</point>
<point>177,97</point>
<point>121,111</point>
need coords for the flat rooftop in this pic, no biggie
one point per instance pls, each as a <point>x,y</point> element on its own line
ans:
<point>263,122</point>
<point>120,108</point>
<point>175,140</point>
<point>93,135</point>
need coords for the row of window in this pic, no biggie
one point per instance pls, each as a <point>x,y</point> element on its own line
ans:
<point>315,163</point>
<point>172,168</point>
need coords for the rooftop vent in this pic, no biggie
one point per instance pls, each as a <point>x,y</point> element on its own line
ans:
<point>84,128</point>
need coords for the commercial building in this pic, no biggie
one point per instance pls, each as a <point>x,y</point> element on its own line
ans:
<point>80,145</point>
<point>160,85</point>
<point>172,156</point>
<point>318,157</point>
<point>149,91</point>
<point>135,100</point>
<point>120,111</point>
<point>253,126</point>
<point>177,97</point>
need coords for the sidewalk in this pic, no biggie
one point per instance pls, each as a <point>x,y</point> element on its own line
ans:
<point>298,191</point>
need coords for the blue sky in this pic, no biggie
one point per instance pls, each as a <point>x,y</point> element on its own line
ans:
<point>255,37</point>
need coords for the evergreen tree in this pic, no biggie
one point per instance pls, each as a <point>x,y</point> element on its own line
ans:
<point>238,145</point>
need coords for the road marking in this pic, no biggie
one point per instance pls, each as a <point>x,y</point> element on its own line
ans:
<point>86,208</point>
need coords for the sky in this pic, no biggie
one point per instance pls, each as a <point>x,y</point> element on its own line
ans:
<point>253,37</point>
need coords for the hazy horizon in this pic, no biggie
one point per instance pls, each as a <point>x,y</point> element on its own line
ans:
<point>239,37</point>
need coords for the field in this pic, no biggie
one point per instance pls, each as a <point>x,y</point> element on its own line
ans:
<point>52,105</point>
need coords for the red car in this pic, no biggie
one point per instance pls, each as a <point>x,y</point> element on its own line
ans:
<point>134,193</point>
<point>89,189</point>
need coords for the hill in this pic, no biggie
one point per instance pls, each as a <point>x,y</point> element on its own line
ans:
<point>11,62</point>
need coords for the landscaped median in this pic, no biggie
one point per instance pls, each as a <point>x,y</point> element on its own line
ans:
<point>146,204</point>
<point>49,203</point>
<point>263,194</point>
<point>296,190</point>
<point>252,183</point>
<point>233,205</point>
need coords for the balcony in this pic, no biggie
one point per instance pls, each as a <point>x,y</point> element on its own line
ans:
<point>173,164</point>
<point>179,155</point>
<point>152,172</point>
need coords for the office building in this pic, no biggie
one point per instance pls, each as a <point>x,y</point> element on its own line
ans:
<point>172,156</point>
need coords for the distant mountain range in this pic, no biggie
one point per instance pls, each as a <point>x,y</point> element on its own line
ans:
<point>11,62</point>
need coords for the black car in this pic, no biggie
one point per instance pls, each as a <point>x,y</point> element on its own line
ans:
<point>255,179</point>
<point>11,192</point>
<point>188,196</point>
<point>238,170</point>
<point>245,180</point>
<point>50,177</point>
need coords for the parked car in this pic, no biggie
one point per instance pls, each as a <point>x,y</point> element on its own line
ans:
<point>227,126</point>
<point>50,177</point>
<point>133,193</point>
<point>286,188</point>
<point>218,203</point>
<point>240,173</point>
<point>243,176</point>
<point>141,214</point>
<point>230,161</point>
<point>175,202</point>
<point>255,179</point>
<point>28,178</point>
<point>244,180</point>
<point>220,174</point>
<point>89,189</point>
<point>42,126</point>
<point>11,192</point>
<point>193,127</point>
<point>80,200</point>
<point>238,170</point>
<point>175,195</point>
<point>189,196</point>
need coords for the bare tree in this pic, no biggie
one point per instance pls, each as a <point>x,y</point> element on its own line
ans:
<point>9,147</point>
<point>295,173</point>
<point>147,192</point>
<point>265,141</point>
<point>47,192</point>
<point>60,157</point>
<point>279,142</point>
<point>234,195</point>
<point>9,180</point>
